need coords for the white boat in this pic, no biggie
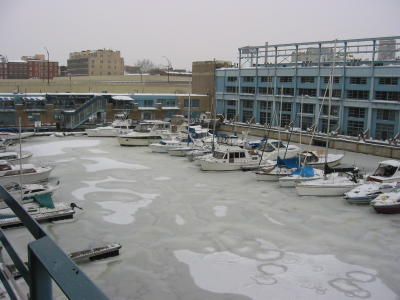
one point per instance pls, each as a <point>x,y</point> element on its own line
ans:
<point>316,158</point>
<point>387,203</point>
<point>298,176</point>
<point>368,191</point>
<point>181,151</point>
<point>192,155</point>
<point>164,145</point>
<point>118,127</point>
<point>28,173</point>
<point>227,158</point>
<point>272,173</point>
<point>146,133</point>
<point>274,148</point>
<point>14,157</point>
<point>335,184</point>
<point>387,171</point>
<point>15,136</point>
<point>29,191</point>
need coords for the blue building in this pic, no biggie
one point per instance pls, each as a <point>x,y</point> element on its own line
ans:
<point>365,77</point>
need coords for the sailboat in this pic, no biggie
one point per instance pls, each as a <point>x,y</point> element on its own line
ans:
<point>335,182</point>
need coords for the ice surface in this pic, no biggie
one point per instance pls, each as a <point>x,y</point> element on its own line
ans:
<point>179,220</point>
<point>287,276</point>
<point>98,151</point>
<point>57,148</point>
<point>162,178</point>
<point>103,163</point>
<point>220,211</point>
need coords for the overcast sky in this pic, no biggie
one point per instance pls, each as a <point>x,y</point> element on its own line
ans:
<point>184,31</point>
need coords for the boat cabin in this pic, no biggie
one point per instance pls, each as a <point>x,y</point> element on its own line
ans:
<point>387,171</point>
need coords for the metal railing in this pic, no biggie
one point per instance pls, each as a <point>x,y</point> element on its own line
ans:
<point>47,262</point>
<point>77,117</point>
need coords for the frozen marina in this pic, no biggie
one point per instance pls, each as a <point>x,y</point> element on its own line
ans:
<point>188,234</point>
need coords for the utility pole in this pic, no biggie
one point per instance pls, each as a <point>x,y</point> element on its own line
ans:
<point>169,67</point>
<point>48,66</point>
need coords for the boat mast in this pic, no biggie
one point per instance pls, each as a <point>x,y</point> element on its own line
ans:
<point>215,112</point>
<point>301,117</point>
<point>20,158</point>
<point>280,121</point>
<point>188,128</point>
<point>329,108</point>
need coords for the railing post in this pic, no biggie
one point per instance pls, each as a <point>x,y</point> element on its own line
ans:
<point>40,283</point>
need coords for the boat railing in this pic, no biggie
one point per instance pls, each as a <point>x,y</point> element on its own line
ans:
<point>47,262</point>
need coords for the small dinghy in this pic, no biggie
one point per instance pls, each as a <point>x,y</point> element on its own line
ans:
<point>387,203</point>
<point>367,192</point>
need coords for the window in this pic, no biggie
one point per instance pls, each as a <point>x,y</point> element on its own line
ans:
<point>285,79</point>
<point>285,120</point>
<point>393,96</point>
<point>248,78</point>
<point>354,128</point>
<point>288,91</point>
<point>266,90</point>
<point>335,93</point>
<point>193,103</point>
<point>265,105</point>
<point>148,103</point>
<point>306,123</point>
<point>334,110</point>
<point>247,115</point>
<point>232,78</point>
<point>336,79</point>
<point>248,90</point>
<point>384,131</point>
<point>308,109</point>
<point>385,114</point>
<point>356,112</point>
<point>248,103</point>
<point>388,80</point>
<point>307,79</point>
<point>231,89</point>
<point>230,114</point>
<point>167,102</point>
<point>266,78</point>
<point>286,106</point>
<point>357,94</point>
<point>358,80</point>
<point>263,117</point>
<point>308,92</point>
<point>231,102</point>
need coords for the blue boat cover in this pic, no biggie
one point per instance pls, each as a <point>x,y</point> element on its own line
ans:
<point>288,162</point>
<point>163,143</point>
<point>305,171</point>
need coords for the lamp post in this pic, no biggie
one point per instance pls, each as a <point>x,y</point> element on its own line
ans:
<point>48,66</point>
<point>169,66</point>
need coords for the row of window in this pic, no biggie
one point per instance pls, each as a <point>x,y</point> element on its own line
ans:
<point>354,128</point>
<point>312,79</point>
<point>336,93</point>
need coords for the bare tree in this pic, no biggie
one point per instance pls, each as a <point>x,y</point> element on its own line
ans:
<point>145,65</point>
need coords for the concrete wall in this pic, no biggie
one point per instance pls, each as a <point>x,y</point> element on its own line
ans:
<point>390,151</point>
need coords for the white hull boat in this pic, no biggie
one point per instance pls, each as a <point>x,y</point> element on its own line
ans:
<point>15,136</point>
<point>293,180</point>
<point>30,173</point>
<point>107,131</point>
<point>316,159</point>
<point>14,157</point>
<point>274,148</point>
<point>139,139</point>
<point>34,208</point>
<point>273,175</point>
<point>367,192</point>
<point>387,203</point>
<point>29,191</point>
<point>387,171</point>
<point>334,185</point>
<point>180,151</point>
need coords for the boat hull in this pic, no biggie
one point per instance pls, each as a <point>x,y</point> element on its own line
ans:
<point>126,141</point>
<point>42,175</point>
<point>217,166</point>
<point>387,209</point>
<point>322,190</point>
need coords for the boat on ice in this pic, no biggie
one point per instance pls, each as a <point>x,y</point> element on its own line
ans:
<point>14,157</point>
<point>273,148</point>
<point>30,191</point>
<point>228,158</point>
<point>316,158</point>
<point>387,171</point>
<point>146,133</point>
<point>119,126</point>
<point>335,182</point>
<point>368,191</point>
<point>387,203</point>
<point>29,173</point>
<point>282,168</point>
<point>301,174</point>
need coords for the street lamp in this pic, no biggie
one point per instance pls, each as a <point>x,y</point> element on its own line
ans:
<point>48,66</point>
<point>169,66</point>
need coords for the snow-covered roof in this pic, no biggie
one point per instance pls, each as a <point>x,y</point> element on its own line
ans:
<point>34,98</point>
<point>147,108</point>
<point>391,162</point>
<point>122,98</point>
<point>170,108</point>
<point>6,98</point>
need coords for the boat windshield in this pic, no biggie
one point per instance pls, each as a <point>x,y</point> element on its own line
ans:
<point>385,171</point>
<point>278,144</point>
<point>219,155</point>
<point>268,148</point>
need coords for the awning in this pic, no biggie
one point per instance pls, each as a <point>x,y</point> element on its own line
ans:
<point>170,108</point>
<point>34,98</point>
<point>122,98</point>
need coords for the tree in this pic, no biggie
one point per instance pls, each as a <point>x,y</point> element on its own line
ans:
<point>145,65</point>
